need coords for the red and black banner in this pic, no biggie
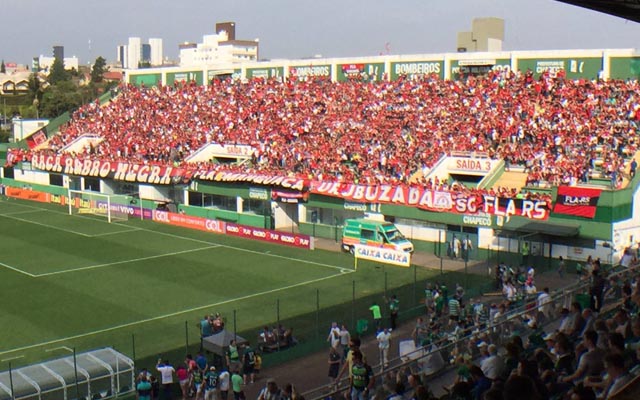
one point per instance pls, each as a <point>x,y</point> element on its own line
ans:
<point>582,202</point>
<point>36,139</point>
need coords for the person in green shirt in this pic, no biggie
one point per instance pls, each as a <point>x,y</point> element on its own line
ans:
<point>233,356</point>
<point>525,254</point>
<point>236,385</point>
<point>377,314</point>
<point>362,379</point>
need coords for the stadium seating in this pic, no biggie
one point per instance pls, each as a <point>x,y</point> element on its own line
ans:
<point>560,131</point>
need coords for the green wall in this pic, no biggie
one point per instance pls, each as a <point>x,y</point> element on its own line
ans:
<point>624,68</point>
<point>575,67</point>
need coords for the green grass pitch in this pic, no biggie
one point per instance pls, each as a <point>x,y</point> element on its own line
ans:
<point>81,282</point>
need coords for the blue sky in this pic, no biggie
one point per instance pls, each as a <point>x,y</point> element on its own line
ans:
<point>300,28</point>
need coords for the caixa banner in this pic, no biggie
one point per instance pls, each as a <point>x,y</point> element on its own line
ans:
<point>266,235</point>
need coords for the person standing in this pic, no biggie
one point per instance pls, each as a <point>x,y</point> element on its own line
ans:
<point>236,385</point>
<point>561,267</point>
<point>362,379</point>
<point>345,338</point>
<point>383,345</point>
<point>233,356</point>
<point>454,310</point>
<point>225,380</point>
<point>334,335</point>
<point>195,382</point>
<point>210,384</point>
<point>166,376</point>
<point>377,314</point>
<point>455,247</point>
<point>249,361</point>
<point>334,364</point>
<point>467,247</point>
<point>143,388</point>
<point>525,254</point>
<point>394,309</point>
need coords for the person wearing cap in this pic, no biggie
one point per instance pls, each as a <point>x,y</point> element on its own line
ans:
<point>271,391</point>
<point>210,384</point>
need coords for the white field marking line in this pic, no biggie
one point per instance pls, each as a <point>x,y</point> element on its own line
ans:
<point>17,270</point>
<point>101,220</point>
<point>268,254</point>
<point>45,225</point>
<point>174,314</point>
<point>12,358</point>
<point>341,269</point>
<point>21,212</point>
<point>175,253</point>
<point>115,233</point>
<point>70,350</point>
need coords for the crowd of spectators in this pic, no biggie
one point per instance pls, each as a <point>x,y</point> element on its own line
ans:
<point>591,352</point>
<point>559,130</point>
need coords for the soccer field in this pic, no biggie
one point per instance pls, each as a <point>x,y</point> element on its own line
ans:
<point>81,282</point>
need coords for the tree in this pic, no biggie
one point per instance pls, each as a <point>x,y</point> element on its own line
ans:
<point>35,90</point>
<point>3,68</point>
<point>57,72</point>
<point>59,98</point>
<point>98,70</point>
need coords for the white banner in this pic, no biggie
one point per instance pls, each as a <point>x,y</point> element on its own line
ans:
<point>383,255</point>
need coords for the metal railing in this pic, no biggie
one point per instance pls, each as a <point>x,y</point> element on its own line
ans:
<point>500,333</point>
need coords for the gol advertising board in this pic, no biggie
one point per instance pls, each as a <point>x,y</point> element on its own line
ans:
<point>266,235</point>
<point>186,76</point>
<point>575,68</point>
<point>310,71</point>
<point>365,71</point>
<point>189,221</point>
<point>383,255</point>
<point>624,68</point>
<point>464,67</point>
<point>148,80</point>
<point>414,69</point>
<point>266,72</point>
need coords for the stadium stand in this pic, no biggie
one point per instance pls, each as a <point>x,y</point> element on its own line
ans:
<point>559,131</point>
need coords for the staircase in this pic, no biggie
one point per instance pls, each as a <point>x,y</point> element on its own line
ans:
<point>514,178</point>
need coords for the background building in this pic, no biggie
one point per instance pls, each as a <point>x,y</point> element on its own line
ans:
<point>487,34</point>
<point>58,52</point>
<point>135,53</point>
<point>219,48</point>
<point>157,55</point>
<point>43,63</point>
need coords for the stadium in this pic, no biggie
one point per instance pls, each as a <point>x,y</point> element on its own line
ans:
<point>279,197</point>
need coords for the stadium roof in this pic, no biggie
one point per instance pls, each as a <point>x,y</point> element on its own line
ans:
<point>522,226</point>
<point>627,9</point>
